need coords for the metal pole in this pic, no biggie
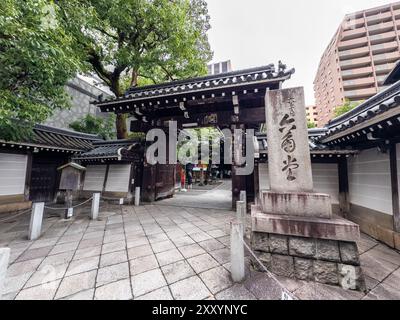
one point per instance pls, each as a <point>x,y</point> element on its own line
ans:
<point>237,252</point>
<point>4,259</point>
<point>95,206</point>
<point>35,226</point>
<point>137,196</point>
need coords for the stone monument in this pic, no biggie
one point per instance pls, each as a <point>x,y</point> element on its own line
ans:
<point>293,230</point>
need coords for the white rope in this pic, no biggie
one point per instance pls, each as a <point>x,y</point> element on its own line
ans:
<point>15,215</point>
<point>269,273</point>
<point>76,206</point>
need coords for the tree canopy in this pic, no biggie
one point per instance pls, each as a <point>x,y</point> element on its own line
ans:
<point>124,41</point>
<point>346,107</point>
<point>103,127</point>
<point>37,58</point>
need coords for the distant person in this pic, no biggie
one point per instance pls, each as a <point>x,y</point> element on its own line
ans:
<point>189,175</point>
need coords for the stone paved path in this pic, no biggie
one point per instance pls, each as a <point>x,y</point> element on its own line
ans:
<point>160,251</point>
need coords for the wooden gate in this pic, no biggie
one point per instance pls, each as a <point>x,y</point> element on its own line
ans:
<point>44,179</point>
<point>165,180</point>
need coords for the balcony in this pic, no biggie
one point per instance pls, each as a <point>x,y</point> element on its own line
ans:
<point>354,33</point>
<point>352,44</point>
<point>357,73</point>
<point>353,24</point>
<point>384,68</point>
<point>379,18</point>
<point>354,53</point>
<point>382,37</point>
<point>380,28</point>
<point>384,47</point>
<point>360,94</point>
<point>355,63</point>
<point>359,83</point>
<point>386,57</point>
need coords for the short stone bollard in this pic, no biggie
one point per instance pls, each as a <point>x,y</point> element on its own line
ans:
<point>94,214</point>
<point>237,251</point>
<point>137,196</point>
<point>4,259</point>
<point>35,226</point>
<point>243,197</point>
<point>240,211</point>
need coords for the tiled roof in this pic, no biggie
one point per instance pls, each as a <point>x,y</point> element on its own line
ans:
<point>379,104</point>
<point>108,150</point>
<point>52,139</point>
<point>236,78</point>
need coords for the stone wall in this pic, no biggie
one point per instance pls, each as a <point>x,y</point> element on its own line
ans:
<point>82,93</point>
<point>325,261</point>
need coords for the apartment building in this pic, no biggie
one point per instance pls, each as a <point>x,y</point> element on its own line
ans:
<point>362,52</point>
<point>312,114</point>
<point>219,67</point>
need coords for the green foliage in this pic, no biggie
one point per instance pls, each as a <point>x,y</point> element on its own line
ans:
<point>135,42</point>
<point>346,107</point>
<point>311,125</point>
<point>37,58</point>
<point>103,127</point>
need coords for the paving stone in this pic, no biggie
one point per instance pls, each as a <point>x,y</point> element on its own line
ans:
<point>383,292</point>
<point>201,236</point>
<point>112,258</point>
<point>113,246</point>
<point>319,291</point>
<point>114,238</point>
<point>237,292</point>
<point>90,243</point>
<point>159,294</point>
<point>87,252</point>
<point>83,265</point>
<point>61,258</point>
<point>177,271</point>
<point>202,263</point>
<point>112,273</point>
<point>190,289</point>
<point>64,247</point>
<point>191,250</point>
<point>47,273</point>
<point>34,254</point>
<point>217,279</point>
<point>154,238</point>
<point>376,268</point>
<point>76,283</point>
<point>43,243</point>
<point>140,251</point>
<point>70,238</point>
<point>184,241</point>
<point>216,233</point>
<point>162,246</point>
<point>143,264</point>
<point>83,295</point>
<point>384,253</point>
<point>147,282</point>
<point>137,242</point>
<point>42,292</point>
<point>15,283</point>
<point>23,267</point>
<point>263,287</point>
<point>222,255</point>
<point>211,245</point>
<point>393,280</point>
<point>120,290</point>
<point>168,257</point>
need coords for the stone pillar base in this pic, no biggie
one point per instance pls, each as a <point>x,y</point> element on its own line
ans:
<point>311,249</point>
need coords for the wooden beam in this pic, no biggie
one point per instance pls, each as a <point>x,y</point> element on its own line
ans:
<point>395,187</point>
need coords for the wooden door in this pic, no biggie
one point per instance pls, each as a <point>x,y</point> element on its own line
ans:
<point>165,180</point>
<point>43,183</point>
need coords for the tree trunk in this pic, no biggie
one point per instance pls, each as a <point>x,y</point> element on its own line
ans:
<point>120,124</point>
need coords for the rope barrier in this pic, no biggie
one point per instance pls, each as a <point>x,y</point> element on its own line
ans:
<point>269,273</point>
<point>15,216</point>
<point>73,207</point>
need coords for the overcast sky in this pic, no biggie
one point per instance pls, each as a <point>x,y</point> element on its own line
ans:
<point>257,32</point>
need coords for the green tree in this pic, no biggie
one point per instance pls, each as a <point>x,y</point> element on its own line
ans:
<point>346,107</point>
<point>311,125</point>
<point>126,40</point>
<point>36,60</point>
<point>103,127</point>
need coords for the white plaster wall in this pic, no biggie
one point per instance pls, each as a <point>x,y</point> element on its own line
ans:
<point>326,180</point>
<point>325,177</point>
<point>118,178</point>
<point>12,173</point>
<point>94,178</point>
<point>369,180</point>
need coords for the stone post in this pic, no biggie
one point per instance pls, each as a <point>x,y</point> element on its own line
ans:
<point>243,197</point>
<point>4,259</point>
<point>237,251</point>
<point>293,231</point>
<point>137,196</point>
<point>95,206</point>
<point>35,226</point>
